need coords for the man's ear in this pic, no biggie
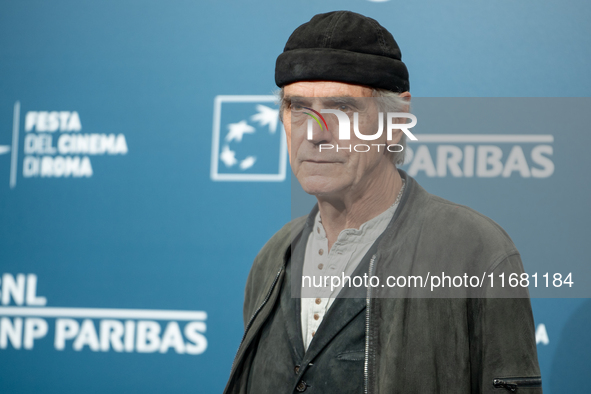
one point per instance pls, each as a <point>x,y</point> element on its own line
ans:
<point>406,95</point>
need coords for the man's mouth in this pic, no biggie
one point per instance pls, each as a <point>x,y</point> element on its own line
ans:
<point>320,161</point>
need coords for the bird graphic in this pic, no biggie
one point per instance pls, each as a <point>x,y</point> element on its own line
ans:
<point>263,117</point>
<point>247,163</point>
<point>266,116</point>
<point>228,156</point>
<point>237,130</point>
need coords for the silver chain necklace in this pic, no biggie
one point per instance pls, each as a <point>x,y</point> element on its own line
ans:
<point>400,193</point>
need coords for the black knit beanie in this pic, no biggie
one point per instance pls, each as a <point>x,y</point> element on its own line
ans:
<point>343,46</point>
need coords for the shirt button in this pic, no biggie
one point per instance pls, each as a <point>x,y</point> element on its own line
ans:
<point>301,386</point>
<point>320,266</point>
<point>318,230</point>
<point>316,316</point>
<point>321,252</point>
<point>296,369</point>
<point>313,332</point>
<point>318,301</point>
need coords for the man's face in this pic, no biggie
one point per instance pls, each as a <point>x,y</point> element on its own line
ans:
<point>329,173</point>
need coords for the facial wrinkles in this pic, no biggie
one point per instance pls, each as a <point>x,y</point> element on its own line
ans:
<point>355,168</point>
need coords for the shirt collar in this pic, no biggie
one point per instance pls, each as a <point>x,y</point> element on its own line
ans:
<point>367,232</point>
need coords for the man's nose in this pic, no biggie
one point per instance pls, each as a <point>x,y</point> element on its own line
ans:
<point>317,132</point>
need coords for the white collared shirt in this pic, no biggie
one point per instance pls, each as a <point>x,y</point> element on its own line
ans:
<point>344,257</point>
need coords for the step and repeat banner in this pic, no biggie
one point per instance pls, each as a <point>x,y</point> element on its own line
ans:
<point>143,165</point>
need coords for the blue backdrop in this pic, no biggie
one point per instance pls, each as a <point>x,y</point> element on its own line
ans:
<point>129,219</point>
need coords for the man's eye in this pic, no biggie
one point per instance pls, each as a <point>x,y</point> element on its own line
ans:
<point>296,107</point>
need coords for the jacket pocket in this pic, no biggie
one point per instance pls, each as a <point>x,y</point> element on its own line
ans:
<point>353,355</point>
<point>512,384</point>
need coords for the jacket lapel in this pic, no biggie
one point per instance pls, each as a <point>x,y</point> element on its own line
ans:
<point>291,307</point>
<point>342,311</point>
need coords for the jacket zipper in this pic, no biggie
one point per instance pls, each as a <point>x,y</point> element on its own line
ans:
<point>367,317</point>
<point>513,384</point>
<point>256,313</point>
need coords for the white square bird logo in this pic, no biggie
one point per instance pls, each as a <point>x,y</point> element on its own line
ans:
<point>248,142</point>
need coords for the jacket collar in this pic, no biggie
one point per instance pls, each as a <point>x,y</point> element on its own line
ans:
<point>343,310</point>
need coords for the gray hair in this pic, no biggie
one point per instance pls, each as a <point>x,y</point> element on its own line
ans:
<point>388,101</point>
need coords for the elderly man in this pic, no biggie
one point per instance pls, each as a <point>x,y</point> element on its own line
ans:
<point>372,219</point>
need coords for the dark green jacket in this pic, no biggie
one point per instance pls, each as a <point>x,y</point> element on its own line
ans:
<point>483,344</point>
